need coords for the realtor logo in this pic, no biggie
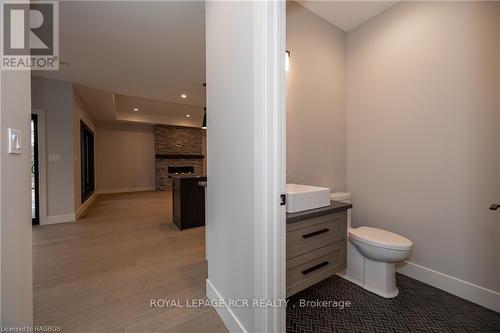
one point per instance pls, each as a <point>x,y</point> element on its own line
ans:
<point>30,35</point>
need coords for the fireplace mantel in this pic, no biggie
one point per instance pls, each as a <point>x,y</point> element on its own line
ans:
<point>179,156</point>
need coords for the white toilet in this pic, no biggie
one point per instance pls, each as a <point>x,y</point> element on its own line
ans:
<point>372,254</point>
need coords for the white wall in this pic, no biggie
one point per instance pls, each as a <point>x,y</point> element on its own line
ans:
<point>316,101</point>
<point>245,225</point>
<point>230,149</point>
<point>423,133</point>
<point>125,157</point>
<point>15,213</point>
<point>56,98</point>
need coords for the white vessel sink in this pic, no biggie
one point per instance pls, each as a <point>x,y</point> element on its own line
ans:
<point>304,197</point>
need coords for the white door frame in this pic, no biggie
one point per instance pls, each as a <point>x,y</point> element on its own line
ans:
<point>42,164</point>
<point>270,161</point>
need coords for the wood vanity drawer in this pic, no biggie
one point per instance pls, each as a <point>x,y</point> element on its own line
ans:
<point>305,270</point>
<point>311,234</point>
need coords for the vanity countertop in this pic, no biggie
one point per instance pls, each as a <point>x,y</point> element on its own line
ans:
<point>335,207</point>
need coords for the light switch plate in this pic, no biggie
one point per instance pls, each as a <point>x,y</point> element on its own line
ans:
<point>15,141</point>
<point>54,158</point>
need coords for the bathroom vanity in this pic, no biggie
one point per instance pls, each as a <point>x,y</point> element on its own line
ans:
<point>315,245</point>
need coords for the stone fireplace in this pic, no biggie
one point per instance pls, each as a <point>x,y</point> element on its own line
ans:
<point>177,148</point>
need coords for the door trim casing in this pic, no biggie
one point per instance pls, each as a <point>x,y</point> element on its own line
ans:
<point>270,161</point>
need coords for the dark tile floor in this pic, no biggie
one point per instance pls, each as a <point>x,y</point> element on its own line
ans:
<point>418,308</point>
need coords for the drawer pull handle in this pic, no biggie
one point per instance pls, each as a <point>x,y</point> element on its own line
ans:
<point>322,231</point>
<point>312,269</point>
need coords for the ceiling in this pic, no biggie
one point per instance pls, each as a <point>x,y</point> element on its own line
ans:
<point>152,50</point>
<point>109,107</point>
<point>158,112</point>
<point>129,54</point>
<point>347,14</point>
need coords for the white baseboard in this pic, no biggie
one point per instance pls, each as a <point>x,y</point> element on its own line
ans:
<point>60,219</point>
<point>80,211</point>
<point>485,297</point>
<point>225,313</point>
<point>126,189</point>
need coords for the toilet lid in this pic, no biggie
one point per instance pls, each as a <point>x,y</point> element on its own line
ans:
<point>380,238</point>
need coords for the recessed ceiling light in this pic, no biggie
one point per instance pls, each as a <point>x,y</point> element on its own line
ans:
<point>188,115</point>
<point>136,109</point>
<point>184,96</point>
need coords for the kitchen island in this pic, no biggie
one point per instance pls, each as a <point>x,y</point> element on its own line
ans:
<point>188,200</point>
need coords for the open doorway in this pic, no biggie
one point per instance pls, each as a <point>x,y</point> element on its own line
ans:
<point>392,128</point>
<point>126,140</point>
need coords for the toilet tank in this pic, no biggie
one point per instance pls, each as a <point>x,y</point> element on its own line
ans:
<point>343,197</point>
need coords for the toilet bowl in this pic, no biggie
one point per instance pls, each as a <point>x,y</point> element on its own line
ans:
<point>372,254</point>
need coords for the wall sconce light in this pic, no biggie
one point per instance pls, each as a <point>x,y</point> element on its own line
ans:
<point>287,61</point>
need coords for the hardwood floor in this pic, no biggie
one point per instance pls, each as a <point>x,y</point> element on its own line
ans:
<point>100,273</point>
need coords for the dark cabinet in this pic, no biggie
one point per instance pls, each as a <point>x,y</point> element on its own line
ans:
<point>188,201</point>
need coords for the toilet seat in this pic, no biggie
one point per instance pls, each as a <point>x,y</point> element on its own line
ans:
<point>380,238</point>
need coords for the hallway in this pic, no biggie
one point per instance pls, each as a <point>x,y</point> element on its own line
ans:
<point>100,273</point>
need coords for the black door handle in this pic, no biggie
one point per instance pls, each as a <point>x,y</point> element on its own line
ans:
<point>494,206</point>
